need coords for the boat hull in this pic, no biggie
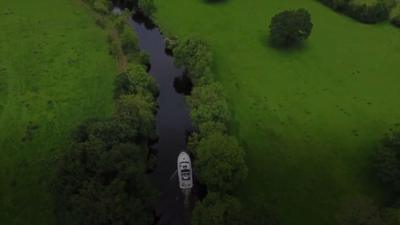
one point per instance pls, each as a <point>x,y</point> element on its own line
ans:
<point>185,171</point>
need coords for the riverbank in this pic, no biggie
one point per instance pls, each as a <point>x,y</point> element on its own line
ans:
<point>172,125</point>
<point>55,72</point>
<point>310,117</point>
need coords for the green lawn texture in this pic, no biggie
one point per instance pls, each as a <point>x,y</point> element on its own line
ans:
<point>55,71</point>
<point>310,117</point>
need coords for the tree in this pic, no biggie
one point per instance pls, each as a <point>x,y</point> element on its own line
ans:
<point>109,131</point>
<point>360,211</point>
<point>102,6</point>
<point>208,104</point>
<point>96,185</point>
<point>135,81</point>
<point>290,27</point>
<point>137,111</point>
<point>147,7</point>
<point>195,55</point>
<point>392,216</point>
<point>220,162</point>
<point>129,42</point>
<point>387,162</point>
<point>217,209</point>
<point>395,20</point>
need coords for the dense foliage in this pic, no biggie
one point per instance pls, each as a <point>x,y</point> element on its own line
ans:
<point>361,211</point>
<point>135,80</point>
<point>217,209</point>
<point>147,7</point>
<point>220,162</point>
<point>395,20</point>
<point>387,162</point>
<point>138,112</point>
<point>208,104</point>
<point>290,27</point>
<point>395,15</point>
<point>129,42</point>
<point>97,185</point>
<point>102,179</point>
<point>195,56</point>
<point>367,12</point>
<point>219,159</point>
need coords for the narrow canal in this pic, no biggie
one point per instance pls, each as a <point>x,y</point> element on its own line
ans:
<point>173,124</point>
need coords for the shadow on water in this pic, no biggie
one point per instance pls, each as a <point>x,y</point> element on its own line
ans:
<point>183,85</point>
<point>173,126</point>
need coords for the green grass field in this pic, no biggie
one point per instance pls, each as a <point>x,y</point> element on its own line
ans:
<point>55,71</point>
<point>310,117</point>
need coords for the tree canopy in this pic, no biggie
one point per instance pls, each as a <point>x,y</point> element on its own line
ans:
<point>135,80</point>
<point>138,112</point>
<point>147,7</point>
<point>290,27</point>
<point>97,185</point>
<point>217,209</point>
<point>208,104</point>
<point>220,162</point>
<point>195,55</point>
<point>387,162</point>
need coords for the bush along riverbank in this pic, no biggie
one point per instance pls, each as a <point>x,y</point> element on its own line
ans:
<point>219,159</point>
<point>366,11</point>
<point>102,178</point>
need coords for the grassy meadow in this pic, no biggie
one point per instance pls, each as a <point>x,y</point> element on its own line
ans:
<point>310,116</point>
<point>55,71</point>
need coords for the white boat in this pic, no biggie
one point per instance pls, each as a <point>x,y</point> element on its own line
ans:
<point>185,171</point>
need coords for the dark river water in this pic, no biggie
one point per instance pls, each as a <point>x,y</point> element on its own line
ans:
<point>173,124</point>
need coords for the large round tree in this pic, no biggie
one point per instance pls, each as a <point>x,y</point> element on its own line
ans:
<point>290,27</point>
<point>97,185</point>
<point>220,162</point>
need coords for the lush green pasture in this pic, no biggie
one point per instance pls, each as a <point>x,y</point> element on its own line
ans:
<point>310,116</point>
<point>55,71</point>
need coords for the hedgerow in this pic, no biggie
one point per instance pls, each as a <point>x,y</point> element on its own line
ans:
<point>102,178</point>
<point>366,12</point>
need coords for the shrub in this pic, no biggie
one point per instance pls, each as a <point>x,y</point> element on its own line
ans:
<point>220,162</point>
<point>205,129</point>
<point>396,20</point>
<point>360,211</point>
<point>147,7</point>
<point>129,42</point>
<point>120,21</point>
<point>387,162</point>
<point>110,131</point>
<point>115,48</point>
<point>217,209</point>
<point>395,17</point>
<point>102,6</point>
<point>135,81</point>
<point>99,185</point>
<point>101,22</point>
<point>290,27</point>
<point>144,59</point>
<point>208,104</point>
<point>369,13</point>
<point>194,54</point>
<point>338,5</point>
<point>137,111</point>
<point>366,12</point>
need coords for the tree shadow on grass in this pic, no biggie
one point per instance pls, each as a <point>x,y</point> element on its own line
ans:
<point>298,47</point>
<point>214,1</point>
